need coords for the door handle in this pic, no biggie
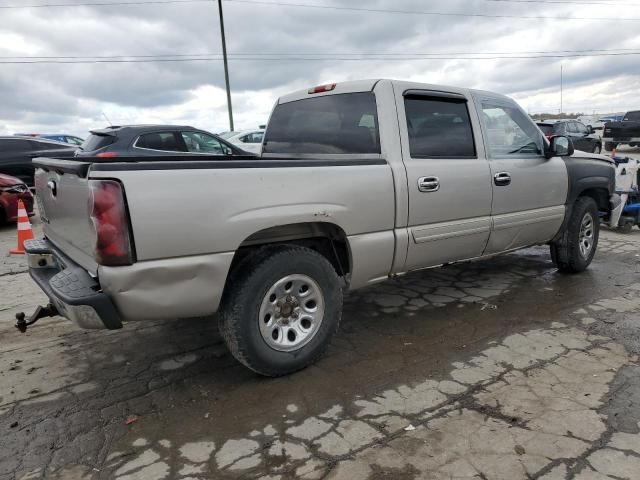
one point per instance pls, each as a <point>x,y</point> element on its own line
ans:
<point>502,179</point>
<point>428,184</point>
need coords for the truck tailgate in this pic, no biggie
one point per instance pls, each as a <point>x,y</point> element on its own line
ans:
<point>62,193</point>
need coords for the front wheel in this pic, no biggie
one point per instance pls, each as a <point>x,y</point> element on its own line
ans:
<point>280,310</point>
<point>574,252</point>
<point>597,148</point>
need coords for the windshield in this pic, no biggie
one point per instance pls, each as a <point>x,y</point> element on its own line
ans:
<point>96,142</point>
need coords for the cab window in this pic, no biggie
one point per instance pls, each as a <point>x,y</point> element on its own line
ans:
<point>510,132</point>
<point>332,124</point>
<point>439,127</point>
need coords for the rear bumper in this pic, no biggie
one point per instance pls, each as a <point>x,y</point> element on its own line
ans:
<point>75,294</point>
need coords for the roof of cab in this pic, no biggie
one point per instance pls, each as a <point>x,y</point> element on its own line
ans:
<point>368,85</point>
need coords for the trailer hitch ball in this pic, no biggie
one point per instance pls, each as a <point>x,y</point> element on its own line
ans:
<point>41,312</point>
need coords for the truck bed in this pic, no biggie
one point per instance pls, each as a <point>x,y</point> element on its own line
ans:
<point>183,205</point>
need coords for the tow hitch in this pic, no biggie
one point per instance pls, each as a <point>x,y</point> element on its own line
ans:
<point>41,312</point>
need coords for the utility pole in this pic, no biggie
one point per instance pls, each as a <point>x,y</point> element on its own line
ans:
<point>561,86</point>
<point>226,66</point>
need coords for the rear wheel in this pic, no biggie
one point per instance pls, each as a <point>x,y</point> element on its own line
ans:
<point>574,252</point>
<point>282,307</point>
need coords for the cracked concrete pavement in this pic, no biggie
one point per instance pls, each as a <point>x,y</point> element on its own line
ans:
<point>502,369</point>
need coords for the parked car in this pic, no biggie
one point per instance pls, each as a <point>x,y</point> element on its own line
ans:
<point>357,182</point>
<point>249,140</point>
<point>154,140</point>
<point>626,131</point>
<point>16,154</point>
<point>11,190</point>
<point>583,138</point>
<point>58,137</point>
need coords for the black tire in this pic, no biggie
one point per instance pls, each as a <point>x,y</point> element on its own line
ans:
<point>246,289</point>
<point>597,148</point>
<point>566,253</point>
<point>610,146</point>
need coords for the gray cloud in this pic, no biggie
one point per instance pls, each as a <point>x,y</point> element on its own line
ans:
<point>72,97</point>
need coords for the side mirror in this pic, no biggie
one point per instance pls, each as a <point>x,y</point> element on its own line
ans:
<point>559,146</point>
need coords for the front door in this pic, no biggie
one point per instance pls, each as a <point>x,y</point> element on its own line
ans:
<point>448,177</point>
<point>529,191</point>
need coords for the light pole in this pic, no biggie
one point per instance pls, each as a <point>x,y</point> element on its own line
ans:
<point>226,66</point>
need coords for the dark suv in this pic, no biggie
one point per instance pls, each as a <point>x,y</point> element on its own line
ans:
<point>16,154</point>
<point>155,140</point>
<point>583,137</point>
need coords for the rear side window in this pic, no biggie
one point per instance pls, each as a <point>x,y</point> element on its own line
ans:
<point>332,124</point>
<point>632,116</point>
<point>96,142</point>
<point>165,141</point>
<point>439,127</point>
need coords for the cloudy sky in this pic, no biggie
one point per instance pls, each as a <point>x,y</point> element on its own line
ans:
<point>62,68</point>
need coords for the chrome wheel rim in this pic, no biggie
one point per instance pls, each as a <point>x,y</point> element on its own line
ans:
<point>291,313</point>
<point>586,235</point>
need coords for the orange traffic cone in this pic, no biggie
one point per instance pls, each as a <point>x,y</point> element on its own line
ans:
<point>24,229</point>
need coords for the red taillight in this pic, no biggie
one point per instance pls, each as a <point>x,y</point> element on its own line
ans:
<point>110,223</point>
<point>322,88</point>
<point>107,155</point>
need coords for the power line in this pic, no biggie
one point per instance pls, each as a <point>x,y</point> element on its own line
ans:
<point>420,12</point>
<point>568,2</point>
<point>318,54</point>
<point>317,6</point>
<point>302,59</point>
<point>100,4</point>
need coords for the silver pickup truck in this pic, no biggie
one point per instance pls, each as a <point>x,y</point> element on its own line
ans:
<point>358,182</point>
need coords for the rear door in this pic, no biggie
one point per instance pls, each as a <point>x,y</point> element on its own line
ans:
<point>448,177</point>
<point>529,191</point>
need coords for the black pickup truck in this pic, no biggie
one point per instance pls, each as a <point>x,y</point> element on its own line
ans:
<point>625,132</point>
